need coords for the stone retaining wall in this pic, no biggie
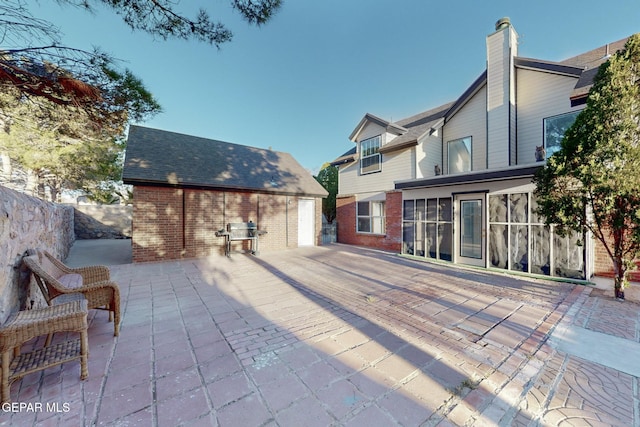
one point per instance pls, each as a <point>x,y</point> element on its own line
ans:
<point>102,221</point>
<point>28,222</point>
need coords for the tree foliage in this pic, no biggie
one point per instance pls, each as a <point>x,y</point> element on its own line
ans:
<point>328,178</point>
<point>33,59</point>
<point>592,182</point>
<point>60,148</point>
<point>64,110</point>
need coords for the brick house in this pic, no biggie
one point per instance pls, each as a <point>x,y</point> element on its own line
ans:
<point>454,183</point>
<point>185,188</point>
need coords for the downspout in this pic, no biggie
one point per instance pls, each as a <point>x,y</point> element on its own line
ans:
<point>486,122</point>
<point>511,83</point>
<point>184,221</point>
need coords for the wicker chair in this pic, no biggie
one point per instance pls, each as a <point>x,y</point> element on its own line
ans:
<point>56,279</point>
<point>26,325</point>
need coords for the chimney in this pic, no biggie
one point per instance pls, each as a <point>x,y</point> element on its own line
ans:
<point>502,48</point>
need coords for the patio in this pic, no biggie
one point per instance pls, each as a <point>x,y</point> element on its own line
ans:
<point>335,335</point>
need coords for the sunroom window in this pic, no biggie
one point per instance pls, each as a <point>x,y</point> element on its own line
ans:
<point>370,158</point>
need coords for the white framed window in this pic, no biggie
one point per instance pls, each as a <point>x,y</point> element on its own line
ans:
<point>370,217</point>
<point>554,129</point>
<point>370,157</point>
<point>459,155</point>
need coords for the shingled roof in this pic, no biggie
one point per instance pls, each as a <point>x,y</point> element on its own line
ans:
<point>162,158</point>
<point>583,66</point>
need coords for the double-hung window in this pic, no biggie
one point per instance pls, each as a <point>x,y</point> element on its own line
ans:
<point>370,217</point>
<point>370,157</point>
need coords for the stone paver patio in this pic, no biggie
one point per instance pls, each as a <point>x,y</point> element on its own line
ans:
<point>337,335</point>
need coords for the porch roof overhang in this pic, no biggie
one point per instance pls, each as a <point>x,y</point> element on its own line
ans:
<point>469,178</point>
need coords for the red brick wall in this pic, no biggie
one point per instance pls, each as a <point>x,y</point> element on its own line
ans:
<point>157,228</point>
<point>159,231</point>
<point>603,266</point>
<point>346,217</point>
<point>202,218</point>
<point>602,262</point>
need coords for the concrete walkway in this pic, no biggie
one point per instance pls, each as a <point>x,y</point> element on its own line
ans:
<point>338,335</point>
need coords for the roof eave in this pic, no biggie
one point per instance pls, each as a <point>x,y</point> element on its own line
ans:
<point>343,161</point>
<point>220,187</point>
<point>455,179</point>
<point>468,94</point>
<point>391,148</point>
<point>548,67</point>
<point>370,118</point>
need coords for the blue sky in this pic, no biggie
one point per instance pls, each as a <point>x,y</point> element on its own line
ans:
<point>302,82</point>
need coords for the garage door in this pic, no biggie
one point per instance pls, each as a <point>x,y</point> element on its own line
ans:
<point>306,222</point>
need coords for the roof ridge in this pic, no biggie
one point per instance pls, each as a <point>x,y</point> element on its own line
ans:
<point>595,56</point>
<point>425,116</point>
<point>147,128</point>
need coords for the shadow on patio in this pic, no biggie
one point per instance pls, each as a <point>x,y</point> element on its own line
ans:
<point>314,336</point>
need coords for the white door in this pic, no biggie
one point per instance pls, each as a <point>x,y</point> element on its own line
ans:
<point>471,229</point>
<point>306,222</point>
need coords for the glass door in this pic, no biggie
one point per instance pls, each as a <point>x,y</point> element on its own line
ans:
<point>471,226</point>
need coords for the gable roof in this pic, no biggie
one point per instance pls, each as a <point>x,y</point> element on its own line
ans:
<point>417,126</point>
<point>584,67</point>
<point>161,158</point>
<point>477,84</point>
<point>590,63</point>
<point>370,118</point>
<point>411,129</point>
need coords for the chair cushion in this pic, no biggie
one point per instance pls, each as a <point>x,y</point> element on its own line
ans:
<point>71,281</point>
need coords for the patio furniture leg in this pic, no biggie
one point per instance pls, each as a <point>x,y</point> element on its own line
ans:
<point>5,392</point>
<point>84,354</point>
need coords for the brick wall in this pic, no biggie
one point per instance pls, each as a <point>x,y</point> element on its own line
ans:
<point>603,266</point>
<point>602,262</point>
<point>346,218</point>
<point>157,224</point>
<point>159,231</point>
<point>202,220</point>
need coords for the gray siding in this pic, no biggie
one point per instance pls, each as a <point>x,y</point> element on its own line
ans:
<point>540,95</point>
<point>429,154</point>
<point>397,165</point>
<point>501,46</point>
<point>471,120</point>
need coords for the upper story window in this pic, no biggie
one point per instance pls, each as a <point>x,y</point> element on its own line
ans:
<point>370,157</point>
<point>554,129</point>
<point>459,155</point>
